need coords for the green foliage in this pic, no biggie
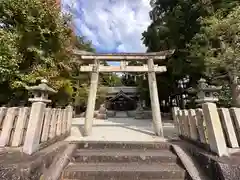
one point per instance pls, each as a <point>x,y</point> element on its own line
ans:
<point>218,45</point>
<point>42,36</point>
<point>225,97</point>
<point>81,43</point>
<point>175,23</point>
<point>9,55</point>
<point>111,80</point>
<point>220,42</point>
<point>35,40</point>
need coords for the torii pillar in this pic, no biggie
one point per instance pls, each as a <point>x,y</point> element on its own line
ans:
<point>156,112</point>
<point>91,99</point>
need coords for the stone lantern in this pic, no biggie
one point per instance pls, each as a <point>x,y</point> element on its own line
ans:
<point>41,92</point>
<point>205,93</point>
<point>39,102</point>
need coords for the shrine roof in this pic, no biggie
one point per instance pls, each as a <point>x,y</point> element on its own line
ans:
<point>121,94</point>
<point>123,56</point>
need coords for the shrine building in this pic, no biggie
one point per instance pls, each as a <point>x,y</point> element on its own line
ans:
<point>123,98</point>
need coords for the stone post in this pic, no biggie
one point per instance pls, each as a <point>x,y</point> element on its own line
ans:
<point>7,126</point>
<point>53,122</point>
<point>156,112</point>
<point>215,132</point>
<point>180,119</point>
<point>91,99</point>
<point>186,132</point>
<point>20,124</point>
<point>228,127</point>
<point>176,119</point>
<point>46,130</point>
<point>235,114</point>
<point>193,124</point>
<point>69,117</point>
<point>201,126</point>
<point>32,139</point>
<point>3,111</point>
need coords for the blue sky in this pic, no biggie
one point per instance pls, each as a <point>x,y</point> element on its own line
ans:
<point>111,25</point>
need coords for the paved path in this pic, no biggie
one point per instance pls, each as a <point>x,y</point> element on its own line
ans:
<point>119,129</point>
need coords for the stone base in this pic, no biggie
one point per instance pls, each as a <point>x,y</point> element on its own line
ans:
<point>111,113</point>
<point>84,114</point>
<point>15,165</point>
<point>101,116</point>
<point>143,115</point>
<point>131,114</point>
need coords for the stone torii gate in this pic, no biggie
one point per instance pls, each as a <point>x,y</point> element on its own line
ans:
<point>94,68</point>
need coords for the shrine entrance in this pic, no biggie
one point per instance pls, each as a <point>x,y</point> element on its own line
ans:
<point>120,101</point>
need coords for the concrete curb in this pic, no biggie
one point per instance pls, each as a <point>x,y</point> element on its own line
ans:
<point>56,168</point>
<point>190,165</point>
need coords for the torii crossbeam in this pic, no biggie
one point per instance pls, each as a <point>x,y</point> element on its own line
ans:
<point>149,67</point>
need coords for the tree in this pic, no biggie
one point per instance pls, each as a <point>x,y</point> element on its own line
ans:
<point>174,24</point>
<point>218,43</point>
<point>34,42</point>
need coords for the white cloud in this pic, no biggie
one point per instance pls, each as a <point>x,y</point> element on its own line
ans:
<point>112,25</point>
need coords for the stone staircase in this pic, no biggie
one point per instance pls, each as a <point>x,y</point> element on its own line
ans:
<point>129,161</point>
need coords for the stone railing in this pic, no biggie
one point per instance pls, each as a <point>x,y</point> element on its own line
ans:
<point>14,125</point>
<point>56,124</point>
<point>37,126</point>
<point>217,129</point>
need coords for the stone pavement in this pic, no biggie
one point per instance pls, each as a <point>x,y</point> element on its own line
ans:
<point>120,129</point>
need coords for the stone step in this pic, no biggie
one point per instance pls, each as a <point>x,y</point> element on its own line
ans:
<point>124,155</point>
<point>123,145</point>
<point>138,179</point>
<point>123,171</point>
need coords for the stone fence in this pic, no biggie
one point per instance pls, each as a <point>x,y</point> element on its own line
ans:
<point>15,124</point>
<point>35,127</point>
<point>217,129</point>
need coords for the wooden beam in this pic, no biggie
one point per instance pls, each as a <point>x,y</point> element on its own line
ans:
<point>123,68</point>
